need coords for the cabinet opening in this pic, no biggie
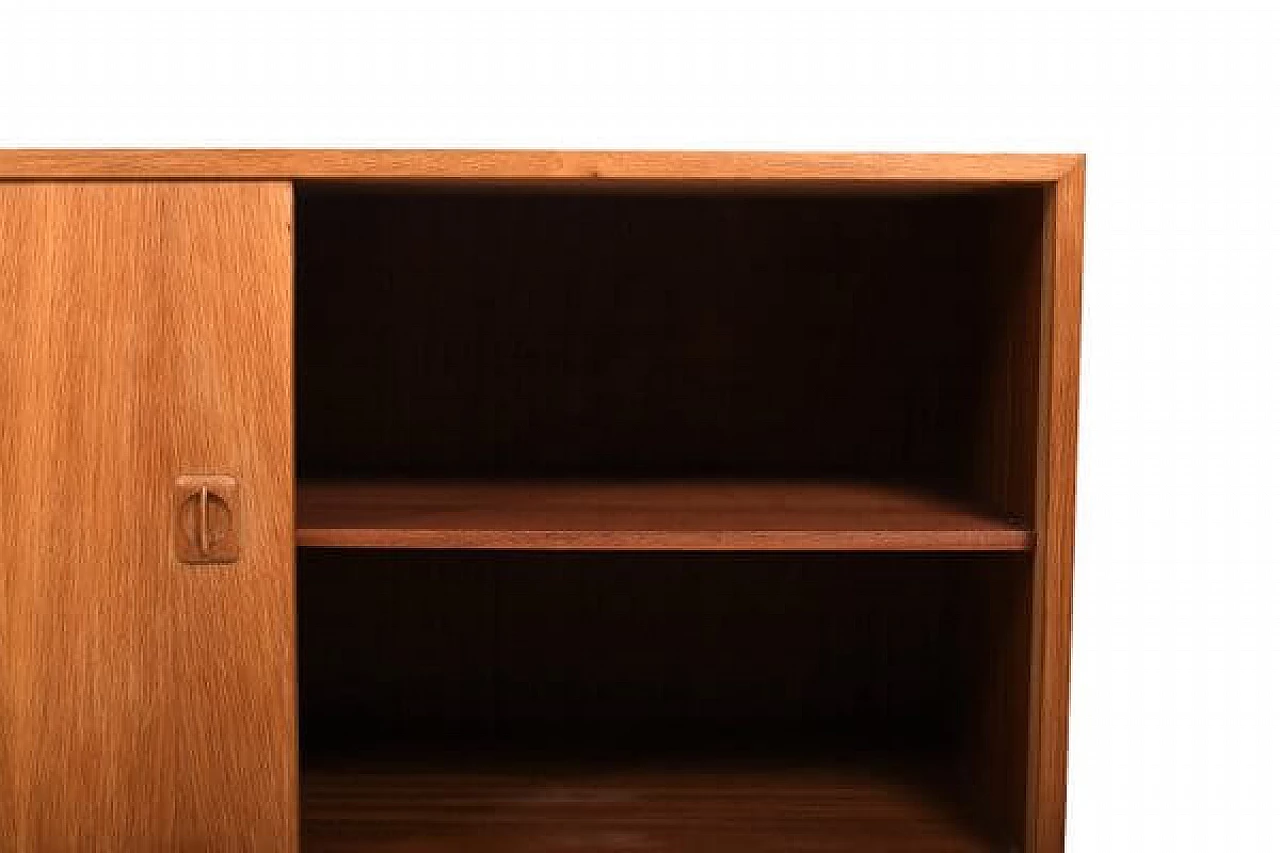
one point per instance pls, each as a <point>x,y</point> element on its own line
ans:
<point>562,701</point>
<point>688,517</point>
<point>885,341</point>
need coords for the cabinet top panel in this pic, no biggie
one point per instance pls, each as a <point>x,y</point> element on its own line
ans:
<point>569,166</point>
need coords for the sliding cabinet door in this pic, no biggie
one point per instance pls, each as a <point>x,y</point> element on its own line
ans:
<point>146,518</point>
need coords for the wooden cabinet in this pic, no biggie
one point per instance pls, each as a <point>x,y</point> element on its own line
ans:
<point>536,501</point>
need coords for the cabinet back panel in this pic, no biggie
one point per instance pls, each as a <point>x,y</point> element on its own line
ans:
<point>419,643</point>
<point>533,334</point>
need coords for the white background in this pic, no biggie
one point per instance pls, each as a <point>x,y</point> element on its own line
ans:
<point>1176,704</point>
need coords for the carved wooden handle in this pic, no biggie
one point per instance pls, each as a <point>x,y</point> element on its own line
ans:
<point>205,526</point>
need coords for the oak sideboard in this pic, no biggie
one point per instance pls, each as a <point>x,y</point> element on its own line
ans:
<point>536,502</point>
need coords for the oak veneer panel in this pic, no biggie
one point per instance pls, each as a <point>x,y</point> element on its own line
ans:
<point>145,331</point>
<point>566,809</point>
<point>534,165</point>
<point>650,516</point>
<point>1055,515</point>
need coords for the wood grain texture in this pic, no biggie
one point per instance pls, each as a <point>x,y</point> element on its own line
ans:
<point>145,331</point>
<point>1055,517</point>
<point>533,165</point>
<point>992,716</point>
<point>1005,398</point>
<point>525,334</point>
<point>648,660</point>
<point>643,515</point>
<point>550,809</point>
<point>667,650</point>
<point>1003,449</point>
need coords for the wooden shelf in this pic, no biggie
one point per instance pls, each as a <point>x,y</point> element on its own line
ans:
<point>698,516</point>
<point>523,809</point>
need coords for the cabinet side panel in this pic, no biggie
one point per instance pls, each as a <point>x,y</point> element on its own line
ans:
<point>1002,480</point>
<point>1004,450</point>
<point>145,332</point>
<point>1055,518</point>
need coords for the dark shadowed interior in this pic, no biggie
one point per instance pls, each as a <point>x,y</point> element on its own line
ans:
<point>530,700</point>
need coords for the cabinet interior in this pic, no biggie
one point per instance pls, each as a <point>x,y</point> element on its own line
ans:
<point>665,516</point>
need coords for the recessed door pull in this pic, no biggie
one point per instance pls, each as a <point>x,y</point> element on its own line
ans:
<point>205,523</point>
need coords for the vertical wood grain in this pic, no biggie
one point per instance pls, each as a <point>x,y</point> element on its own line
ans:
<point>1004,458</point>
<point>1055,521</point>
<point>145,331</point>
<point>1004,445</point>
<point>619,335</point>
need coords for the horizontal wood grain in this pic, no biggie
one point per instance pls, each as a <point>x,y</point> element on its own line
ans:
<point>637,515</point>
<point>550,809</point>
<point>531,165</point>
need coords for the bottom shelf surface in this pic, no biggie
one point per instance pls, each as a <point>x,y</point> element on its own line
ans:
<point>558,807</point>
